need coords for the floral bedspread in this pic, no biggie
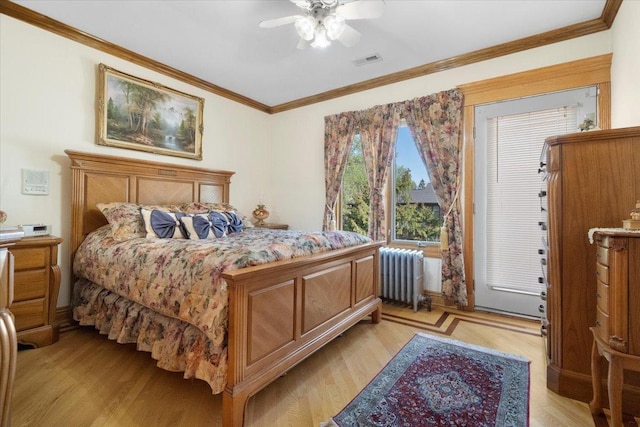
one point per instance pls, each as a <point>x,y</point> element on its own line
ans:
<point>183,278</point>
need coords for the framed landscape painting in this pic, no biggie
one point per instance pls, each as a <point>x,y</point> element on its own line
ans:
<point>141,115</point>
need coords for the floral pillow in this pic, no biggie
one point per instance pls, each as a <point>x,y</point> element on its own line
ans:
<point>125,219</point>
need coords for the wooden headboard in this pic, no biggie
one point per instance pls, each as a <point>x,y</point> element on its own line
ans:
<point>98,178</point>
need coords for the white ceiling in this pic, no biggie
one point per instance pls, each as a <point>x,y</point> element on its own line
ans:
<point>220,42</point>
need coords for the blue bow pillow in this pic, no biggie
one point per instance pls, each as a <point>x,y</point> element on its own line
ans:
<point>234,221</point>
<point>163,225</point>
<point>205,226</point>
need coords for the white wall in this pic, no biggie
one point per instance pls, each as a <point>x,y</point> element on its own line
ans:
<point>47,86</point>
<point>625,67</point>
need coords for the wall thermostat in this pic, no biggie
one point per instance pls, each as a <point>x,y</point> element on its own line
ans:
<point>35,182</point>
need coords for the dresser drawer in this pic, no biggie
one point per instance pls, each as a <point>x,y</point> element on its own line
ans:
<point>602,296</point>
<point>602,325</point>
<point>29,314</point>
<point>29,258</point>
<point>602,254</point>
<point>30,284</point>
<point>602,273</point>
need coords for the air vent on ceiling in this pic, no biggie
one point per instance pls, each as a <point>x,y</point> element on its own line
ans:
<point>374,57</point>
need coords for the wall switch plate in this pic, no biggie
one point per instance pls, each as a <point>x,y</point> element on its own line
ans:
<point>35,182</point>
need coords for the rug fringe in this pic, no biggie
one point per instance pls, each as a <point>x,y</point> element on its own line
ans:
<point>475,347</point>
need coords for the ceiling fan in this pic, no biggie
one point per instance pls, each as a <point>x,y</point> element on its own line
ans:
<point>324,20</point>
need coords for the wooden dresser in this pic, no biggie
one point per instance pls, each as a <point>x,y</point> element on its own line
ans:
<point>37,282</point>
<point>617,329</point>
<point>594,181</point>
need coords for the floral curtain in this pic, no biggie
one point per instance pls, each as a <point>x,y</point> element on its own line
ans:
<point>378,130</point>
<point>435,122</point>
<point>339,131</point>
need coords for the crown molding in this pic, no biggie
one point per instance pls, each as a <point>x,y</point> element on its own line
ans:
<point>29,16</point>
<point>566,33</point>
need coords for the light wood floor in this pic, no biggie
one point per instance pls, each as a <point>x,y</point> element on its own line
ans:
<point>87,380</point>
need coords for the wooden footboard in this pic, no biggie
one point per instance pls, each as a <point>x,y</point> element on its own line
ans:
<point>281,313</point>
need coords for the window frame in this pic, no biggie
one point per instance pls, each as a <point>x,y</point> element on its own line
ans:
<point>430,249</point>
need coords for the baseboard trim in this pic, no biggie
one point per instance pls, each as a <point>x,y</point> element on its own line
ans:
<point>64,318</point>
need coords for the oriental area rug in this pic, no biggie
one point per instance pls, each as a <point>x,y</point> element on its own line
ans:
<point>436,381</point>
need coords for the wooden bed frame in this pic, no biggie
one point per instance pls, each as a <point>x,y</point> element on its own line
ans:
<point>279,313</point>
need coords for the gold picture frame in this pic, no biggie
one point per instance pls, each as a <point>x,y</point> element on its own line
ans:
<point>141,115</point>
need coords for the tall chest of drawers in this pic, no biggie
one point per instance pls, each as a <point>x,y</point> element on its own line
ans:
<point>36,287</point>
<point>594,181</point>
<point>617,328</point>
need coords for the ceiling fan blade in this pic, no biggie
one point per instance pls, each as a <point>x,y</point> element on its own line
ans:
<point>272,23</point>
<point>302,44</point>
<point>349,36</point>
<point>362,9</point>
<point>304,4</point>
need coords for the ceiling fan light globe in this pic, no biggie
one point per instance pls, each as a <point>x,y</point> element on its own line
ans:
<point>334,25</point>
<point>305,27</point>
<point>321,39</point>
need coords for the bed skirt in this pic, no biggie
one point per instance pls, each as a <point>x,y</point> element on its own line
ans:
<point>176,345</point>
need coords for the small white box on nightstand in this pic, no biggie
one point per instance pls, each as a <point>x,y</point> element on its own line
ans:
<point>36,230</point>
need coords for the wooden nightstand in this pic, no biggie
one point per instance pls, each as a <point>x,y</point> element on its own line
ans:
<point>274,226</point>
<point>36,286</point>
<point>8,341</point>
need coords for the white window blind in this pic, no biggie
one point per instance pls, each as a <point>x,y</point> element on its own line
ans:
<point>513,206</point>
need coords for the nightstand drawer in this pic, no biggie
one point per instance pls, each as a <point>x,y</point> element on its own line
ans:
<point>30,284</point>
<point>29,314</point>
<point>602,296</point>
<point>28,258</point>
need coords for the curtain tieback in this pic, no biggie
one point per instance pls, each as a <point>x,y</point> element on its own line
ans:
<point>444,232</point>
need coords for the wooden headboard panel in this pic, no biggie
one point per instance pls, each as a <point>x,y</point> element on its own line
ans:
<point>98,178</point>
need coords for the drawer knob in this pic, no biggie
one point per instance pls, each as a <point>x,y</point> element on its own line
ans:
<point>541,308</point>
<point>543,296</point>
<point>598,295</point>
<point>598,323</point>
<point>543,331</point>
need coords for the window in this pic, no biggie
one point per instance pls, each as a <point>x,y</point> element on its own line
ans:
<point>414,214</point>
